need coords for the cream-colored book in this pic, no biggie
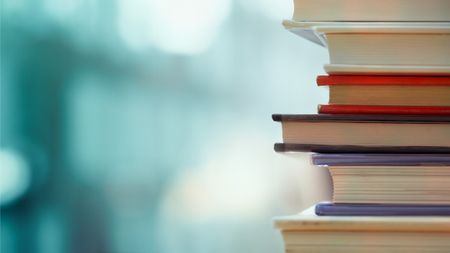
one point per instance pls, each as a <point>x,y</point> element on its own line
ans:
<point>380,48</point>
<point>390,95</point>
<point>371,10</point>
<point>417,185</point>
<point>362,131</point>
<point>307,232</point>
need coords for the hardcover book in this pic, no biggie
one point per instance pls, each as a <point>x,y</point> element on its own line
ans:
<point>371,10</point>
<point>307,232</point>
<point>378,48</point>
<point>407,95</point>
<point>364,133</point>
<point>391,184</point>
<point>387,91</point>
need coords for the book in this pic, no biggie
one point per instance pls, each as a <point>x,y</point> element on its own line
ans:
<point>414,95</point>
<point>347,133</point>
<point>391,184</point>
<point>332,209</point>
<point>309,29</point>
<point>353,69</point>
<point>380,159</point>
<point>308,232</point>
<point>371,10</point>
<point>292,147</point>
<point>383,80</point>
<point>394,95</point>
<point>379,48</point>
<point>387,90</point>
<point>419,179</point>
<point>387,46</point>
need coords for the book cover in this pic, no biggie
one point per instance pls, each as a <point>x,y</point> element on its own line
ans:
<point>325,80</point>
<point>308,232</point>
<point>360,118</point>
<point>380,159</point>
<point>391,110</point>
<point>309,221</point>
<point>331,209</point>
<point>292,147</point>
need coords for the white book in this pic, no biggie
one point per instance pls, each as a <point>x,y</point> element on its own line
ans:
<point>380,47</point>
<point>371,10</point>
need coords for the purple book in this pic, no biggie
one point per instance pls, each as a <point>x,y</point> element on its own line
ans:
<point>380,159</point>
<point>331,209</point>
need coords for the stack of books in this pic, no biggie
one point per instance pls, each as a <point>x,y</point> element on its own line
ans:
<point>384,136</point>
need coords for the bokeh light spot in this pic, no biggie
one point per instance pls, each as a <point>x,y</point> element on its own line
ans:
<point>15,176</point>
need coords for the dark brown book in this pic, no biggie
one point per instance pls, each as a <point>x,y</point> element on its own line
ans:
<point>287,147</point>
<point>328,133</point>
<point>361,118</point>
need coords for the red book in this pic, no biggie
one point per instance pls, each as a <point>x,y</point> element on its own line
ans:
<point>397,110</point>
<point>386,94</point>
<point>382,80</point>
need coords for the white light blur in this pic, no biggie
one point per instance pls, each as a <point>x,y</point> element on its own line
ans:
<point>231,183</point>
<point>14,176</point>
<point>274,10</point>
<point>175,26</point>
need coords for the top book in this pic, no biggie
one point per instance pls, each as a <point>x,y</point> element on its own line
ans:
<point>371,10</point>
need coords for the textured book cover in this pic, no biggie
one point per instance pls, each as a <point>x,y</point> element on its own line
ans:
<point>331,209</point>
<point>380,159</point>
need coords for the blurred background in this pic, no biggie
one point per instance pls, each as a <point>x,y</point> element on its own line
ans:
<point>145,125</point>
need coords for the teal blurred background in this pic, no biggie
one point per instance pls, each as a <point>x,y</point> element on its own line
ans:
<point>144,126</point>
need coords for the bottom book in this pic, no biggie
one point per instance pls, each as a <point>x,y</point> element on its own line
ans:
<point>307,232</point>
